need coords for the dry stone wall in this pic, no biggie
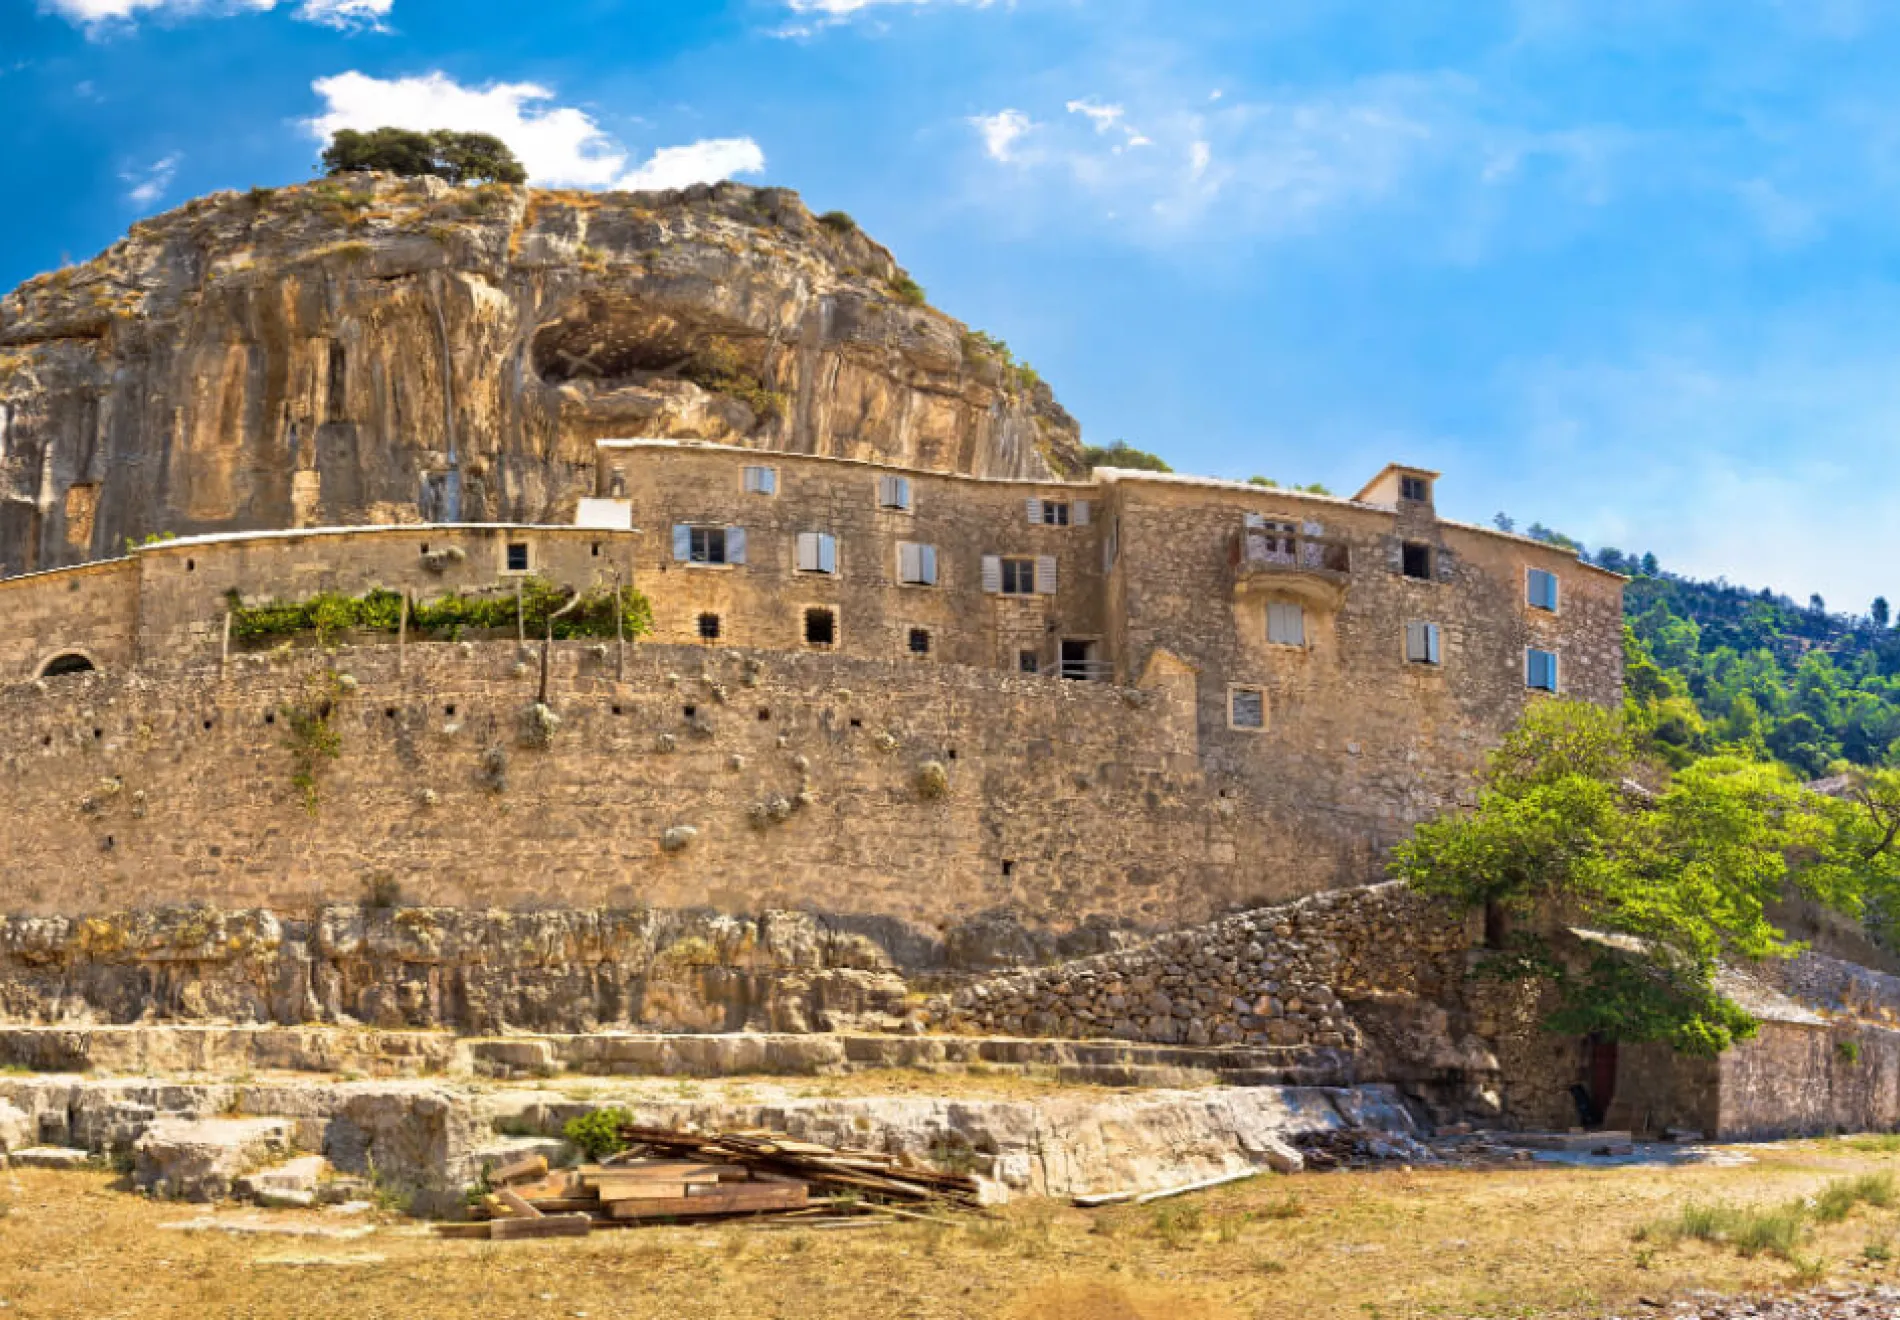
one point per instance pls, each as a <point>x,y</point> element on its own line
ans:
<point>1378,974</point>
<point>1069,807</point>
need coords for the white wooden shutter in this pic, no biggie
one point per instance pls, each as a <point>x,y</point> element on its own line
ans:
<point>1045,575</point>
<point>928,563</point>
<point>827,553</point>
<point>1035,511</point>
<point>735,545</point>
<point>682,542</point>
<point>910,562</point>
<point>992,573</point>
<point>1081,512</point>
<point>808,552</point>
<point>1286,624</point>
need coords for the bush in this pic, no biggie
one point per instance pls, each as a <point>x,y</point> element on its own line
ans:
<point>1121,454</point>
<point>330,613</point>
<point>444,154</point>
<point>908,290</point>
<point>838,222</point>
<point>597,1134</point>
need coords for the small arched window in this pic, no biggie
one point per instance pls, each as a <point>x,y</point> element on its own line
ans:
<point>71,662</point>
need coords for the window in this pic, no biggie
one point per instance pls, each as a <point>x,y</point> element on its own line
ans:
<point>1542,592</point>
<point>1540,670</point>
<point>1058,513</point>
<point>817,552</point>
<point>821,627</point>
<point>1421,643</point>
<point>916,564</point>
<point>517,557</point>
<point>1286,624</point>
<point>893,493</point>
<point>1246,708</point>
<point>1416,560</point>
<point>1019,577</point>
<point>709,627</point>
<point>1028,662</point>
<point>761,481</point>
<point>1081,658</point>
<point>708,545</point>
<point>1416,489</point>
<point>920,641</point>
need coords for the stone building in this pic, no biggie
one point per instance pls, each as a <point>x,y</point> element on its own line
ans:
<point>1149,698</point>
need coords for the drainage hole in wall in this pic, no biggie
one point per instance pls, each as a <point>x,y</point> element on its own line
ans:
<point>207,724</point>
<point>1009,869</point>
<point>616,710</point>
<point>689,711</point>
<point>98,733</point>
<point>951,754</point>
<point>856,723</point>
<point>449,711</point>
<point>764,715</point>
<point>270,718</point>
<point>389,712</point>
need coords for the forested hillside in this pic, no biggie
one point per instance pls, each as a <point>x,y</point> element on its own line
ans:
<point>1715,666</point>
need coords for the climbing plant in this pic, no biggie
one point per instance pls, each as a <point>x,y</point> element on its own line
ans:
<point>308,734</point>
<point>447,617</point>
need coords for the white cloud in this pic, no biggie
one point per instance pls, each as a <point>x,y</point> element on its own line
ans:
<point>830,13</point>
<point>344,15</point>
<point>561,146</point>
<point>842,9</point>
<point>1276,164</point>
<point>705,161</point>
<point>150,183</point>
<point>1001,131</point>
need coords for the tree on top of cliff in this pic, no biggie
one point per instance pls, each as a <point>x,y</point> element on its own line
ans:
<point>457,157</point>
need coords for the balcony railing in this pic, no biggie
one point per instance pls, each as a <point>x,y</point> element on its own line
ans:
<point>1265,550</point>
<point>1279,558</point>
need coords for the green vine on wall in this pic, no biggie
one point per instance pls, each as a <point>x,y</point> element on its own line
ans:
<point>308,735</point>
<point>446,618</point>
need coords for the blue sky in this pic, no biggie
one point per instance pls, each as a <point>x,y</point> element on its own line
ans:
<point>1627,267</point>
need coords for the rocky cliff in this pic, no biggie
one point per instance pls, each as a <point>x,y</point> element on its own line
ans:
<point>378,350</point>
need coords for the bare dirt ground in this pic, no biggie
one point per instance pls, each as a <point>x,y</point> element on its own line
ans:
<point>1378,1245</point>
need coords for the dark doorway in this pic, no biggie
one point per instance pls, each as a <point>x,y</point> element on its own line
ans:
<point>1602,1076</point>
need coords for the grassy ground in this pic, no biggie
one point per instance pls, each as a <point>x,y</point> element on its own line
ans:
<point>1389,1245</point>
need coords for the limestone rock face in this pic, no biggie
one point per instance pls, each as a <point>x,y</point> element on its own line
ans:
<point>376,350</point>
<point>202,1159</point>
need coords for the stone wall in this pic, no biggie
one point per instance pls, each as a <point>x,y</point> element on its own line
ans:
<point>1378,974</point>
<point>807,782</point>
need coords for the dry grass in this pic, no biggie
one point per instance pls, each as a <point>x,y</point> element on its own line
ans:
<point>1370,1246</point>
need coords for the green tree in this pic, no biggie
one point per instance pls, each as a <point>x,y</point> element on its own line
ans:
<point>445,154</point>
<point>1881,613</point>
<point>1675,880</point>
<point>1121,454</point>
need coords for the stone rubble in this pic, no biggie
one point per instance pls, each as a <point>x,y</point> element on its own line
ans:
<point>1826,1303</point>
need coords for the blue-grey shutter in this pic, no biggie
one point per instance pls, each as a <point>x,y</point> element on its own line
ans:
<point>827,553</point>
<point>909,562</point>
<point>927,562</point>
<point>1431,643</point>
<point>903,492</point>
<point>1551,666</point>
<point>805,558</point>
<point>1035,511</point>
<point>992,573</point>
<point>1081,512</point>
<point>768,481</point>
<point>682,542</point>
<point>735,545</point>
<point>1045,575</point>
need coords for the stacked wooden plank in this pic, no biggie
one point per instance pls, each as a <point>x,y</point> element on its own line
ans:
<point>675,1177</point>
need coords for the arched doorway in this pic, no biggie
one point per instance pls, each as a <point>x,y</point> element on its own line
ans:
<point>67,662</point>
